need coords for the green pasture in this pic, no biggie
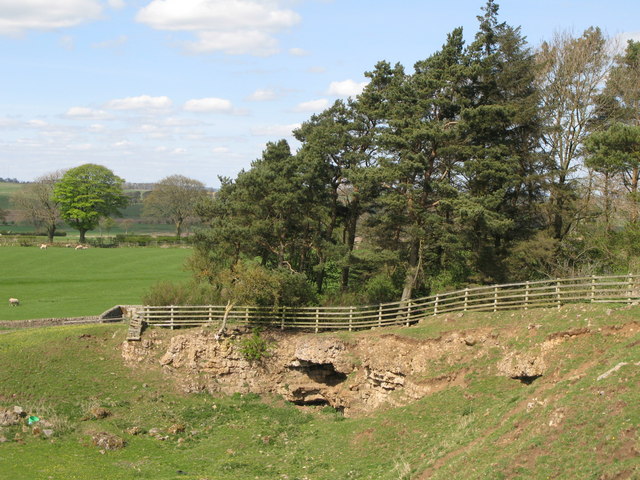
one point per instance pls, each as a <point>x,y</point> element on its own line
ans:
<point>6,190</point>
<point>487,427</point>
<point>63,282</point>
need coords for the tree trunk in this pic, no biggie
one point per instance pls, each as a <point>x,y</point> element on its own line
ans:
<point>634,194</point>
<point>351,226</point>
<point>413,269</point>
<point>51,230</point>
<point>82,235</point>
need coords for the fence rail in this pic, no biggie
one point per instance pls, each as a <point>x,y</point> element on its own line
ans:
<point>542,293</point>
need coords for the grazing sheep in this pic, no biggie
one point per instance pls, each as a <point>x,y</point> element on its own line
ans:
<point>81,247</point>
<point>43,246</point>
<point>14,302</point>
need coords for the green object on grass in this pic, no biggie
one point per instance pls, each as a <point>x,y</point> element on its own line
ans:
<point>32,419</point>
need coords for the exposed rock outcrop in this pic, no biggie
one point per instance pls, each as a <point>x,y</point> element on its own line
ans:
<point>356,376</point>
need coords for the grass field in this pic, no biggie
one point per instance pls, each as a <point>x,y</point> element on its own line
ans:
<point>491,427</point>
<point>6,190</point>
<point>63,282</point>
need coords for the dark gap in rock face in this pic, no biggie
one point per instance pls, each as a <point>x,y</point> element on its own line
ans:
<point>318,402</point>
<point>527,380</point>
<point>324,373</point>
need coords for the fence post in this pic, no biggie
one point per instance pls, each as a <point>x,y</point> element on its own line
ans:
<point>350,318</point>
<point>409,313</point>
<point>558,296</point>
<point>435,305</point>
<point>466,298</point>
<point>210,314</point>
<point>246,314</point>
<point>495,299</point>
<point>171,310</point>
<point>526,295</point>
<point>593,288</point>
<point>629,287</point>
<point>282,318</point>
<point>380,315</point>
<point>318,319</point>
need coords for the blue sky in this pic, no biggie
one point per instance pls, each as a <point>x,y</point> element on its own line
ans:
<point>151,88</point>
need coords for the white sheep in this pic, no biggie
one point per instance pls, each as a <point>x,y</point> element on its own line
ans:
<point>81,247</point>
<point>14,302</point>
<point>43,246</point>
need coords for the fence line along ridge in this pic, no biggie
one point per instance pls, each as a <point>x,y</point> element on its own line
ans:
<point>511,296</point>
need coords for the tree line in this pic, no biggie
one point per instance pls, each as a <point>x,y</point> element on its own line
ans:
<point>89,195</point>
<point>489,162</point>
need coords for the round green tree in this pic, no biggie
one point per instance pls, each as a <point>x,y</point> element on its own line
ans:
<point>86,194</point>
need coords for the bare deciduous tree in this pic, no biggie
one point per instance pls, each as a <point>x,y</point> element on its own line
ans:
<point>36,204</point>
<point>174,198</point>
<point>572,73</point>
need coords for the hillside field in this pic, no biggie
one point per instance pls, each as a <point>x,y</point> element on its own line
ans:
<point>579,420</point>
<point>133,212</point>
<point>63,282</point>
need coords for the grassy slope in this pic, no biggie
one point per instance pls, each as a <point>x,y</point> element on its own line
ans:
<point>494,427</point>
<point>62,282</point>
<point>6,190</point>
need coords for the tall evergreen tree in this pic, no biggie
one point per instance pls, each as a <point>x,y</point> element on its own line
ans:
<point>500,130</point>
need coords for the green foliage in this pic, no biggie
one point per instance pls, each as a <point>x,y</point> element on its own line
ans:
<point>380,289</point>
<point>189,293</point>
<point>251,284</point>
<point>86,194</point>
<point>255,348</point>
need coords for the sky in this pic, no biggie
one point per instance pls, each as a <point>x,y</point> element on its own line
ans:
<point>152,88</point>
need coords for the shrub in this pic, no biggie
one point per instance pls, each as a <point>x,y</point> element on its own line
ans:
<point>190,293</point>
<point>255,348</point>
<point>252,284</point>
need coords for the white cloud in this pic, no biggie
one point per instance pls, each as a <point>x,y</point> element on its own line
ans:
<point>220,150</point>
<point>235,27</point>
<point>117,4</point>
<point>143,102</point>
<point>262,95</point>
<point>274,130</point>
<point>209,105</point>
<point>113,43</point>
<point>312,105</point>
<point>316,69</point>
<point>346,88</point>
<point>97,128</point>
<point>84,112</point>
<point>298,52</point>
<point>235,43</point>
<point>37,123</point>
<point>18,16</point>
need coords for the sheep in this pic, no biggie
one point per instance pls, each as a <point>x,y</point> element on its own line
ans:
<point>14,302</point>
<point>81,247</point>
<point>43,246</point>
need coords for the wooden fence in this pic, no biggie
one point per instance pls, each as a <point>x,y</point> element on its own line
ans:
<point>543,293</point>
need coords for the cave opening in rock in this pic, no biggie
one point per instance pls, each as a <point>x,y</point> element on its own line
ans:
<point>324,373</point>
<point>526,379</point>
